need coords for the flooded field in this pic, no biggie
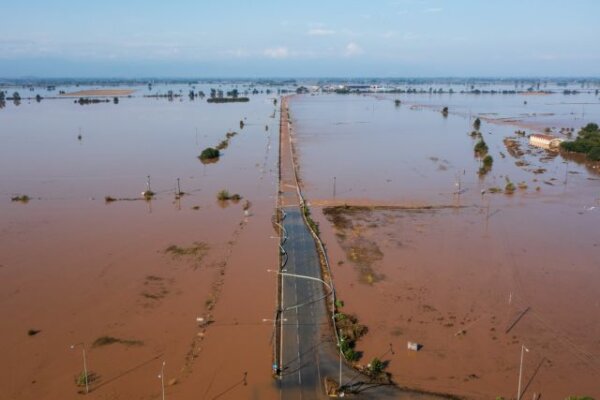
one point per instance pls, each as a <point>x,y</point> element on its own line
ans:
<point>180,279</point>
<point>425,248</point>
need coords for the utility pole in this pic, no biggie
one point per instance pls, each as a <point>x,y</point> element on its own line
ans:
<point>334,187</point>
<point>162,379</point>
<point>523,349</point>
<point>85,372</point>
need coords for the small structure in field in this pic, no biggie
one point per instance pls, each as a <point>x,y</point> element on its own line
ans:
<point>545,141</point>
<point>414,346</point>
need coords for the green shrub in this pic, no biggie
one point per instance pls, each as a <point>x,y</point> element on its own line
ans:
<point>509,188</point>
<point>21,199</point>
<point>488,161</point>
<point>223,195</point>
<point>487,165</point>
<point>376,367</point>
<point>210,153</point>
<point>351,355</point>
<point>594,154</point>
<point>480,148</point>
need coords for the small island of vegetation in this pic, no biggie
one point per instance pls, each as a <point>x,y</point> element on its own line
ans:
<point>486,166</point>
<point>587,142</point>
<point>209,154</point>
<point>481,148</point>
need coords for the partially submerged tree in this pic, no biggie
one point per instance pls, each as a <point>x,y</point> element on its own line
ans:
<point>210,153</point>
<point>486,166</point>
<point>480,148</point>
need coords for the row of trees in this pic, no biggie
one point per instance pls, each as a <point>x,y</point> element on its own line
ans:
<point>481,149</point>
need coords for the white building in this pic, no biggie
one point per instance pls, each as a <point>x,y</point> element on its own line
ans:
<point>545,141</point>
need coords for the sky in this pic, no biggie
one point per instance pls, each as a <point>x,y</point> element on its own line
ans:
<point>306,38</point>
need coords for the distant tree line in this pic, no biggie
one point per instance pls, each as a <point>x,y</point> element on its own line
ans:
<point>86,100</point>
<point>227,99</point>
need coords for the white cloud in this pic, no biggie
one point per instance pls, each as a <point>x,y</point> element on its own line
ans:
<point>433,10</point>
<point>352,49</point>
<point>277,52</point>
<point>320,32</point>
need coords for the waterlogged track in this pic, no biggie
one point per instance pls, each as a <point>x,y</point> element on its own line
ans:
<point>307,349</point>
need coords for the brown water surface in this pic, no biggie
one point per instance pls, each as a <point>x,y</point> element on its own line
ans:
<point>77,268</point>
<point>472,276</point>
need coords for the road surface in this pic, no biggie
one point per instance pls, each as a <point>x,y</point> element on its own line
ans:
<point>307,349</point>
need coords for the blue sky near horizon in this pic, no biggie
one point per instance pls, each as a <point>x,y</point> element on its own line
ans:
<point>235,38</point>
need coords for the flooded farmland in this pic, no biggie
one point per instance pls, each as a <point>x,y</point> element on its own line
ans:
<point>137,282</point>
<point>424,248</point>
<point>427,243</point>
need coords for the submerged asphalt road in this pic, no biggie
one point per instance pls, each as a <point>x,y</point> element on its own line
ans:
<point>308,351</point>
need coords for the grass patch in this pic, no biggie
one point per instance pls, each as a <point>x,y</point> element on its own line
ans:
<point>224,195</point>
<point>311,223</point>
<point>23,198</point>
<point>336,215</point>
<point>148,195</point>
<point>513,147</point>
<point>108,340</point>
<point>155,296</point>
<point>510,187</point>
<point>223,145</point>
<point>82,379</point>
<point>197,250</point>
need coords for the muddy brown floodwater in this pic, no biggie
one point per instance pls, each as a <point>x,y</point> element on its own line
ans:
<point>129,275</point>
<point>431,255</point>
